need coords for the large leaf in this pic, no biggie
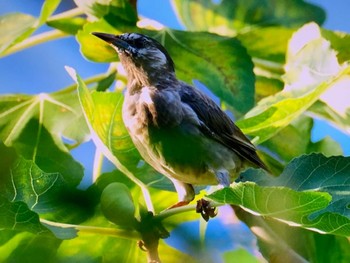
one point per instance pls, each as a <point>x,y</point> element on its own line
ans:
<point>27,247</point>
<point>299,132</point>
<point>311,193</point>
<point>17,110</point>
<point>15,27</point>
<point>118,8</point>
<point>311,69</point>
<point>220,63</point>
<point>17,216</point>
<point>229,16</point>
<point>46,193</point>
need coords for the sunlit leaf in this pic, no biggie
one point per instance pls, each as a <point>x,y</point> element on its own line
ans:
<point>226,17</point>
<point>17,110</point>
<point>311,69</point>
<point>15,27</point>
<point>239,255</point>
<point>26,247</point>
<point>49,6</point>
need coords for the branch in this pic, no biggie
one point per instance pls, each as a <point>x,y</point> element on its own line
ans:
<point>121,233</point>
<point>34,40</point>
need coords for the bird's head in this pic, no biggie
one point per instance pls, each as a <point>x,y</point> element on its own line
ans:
<point>144,59</point>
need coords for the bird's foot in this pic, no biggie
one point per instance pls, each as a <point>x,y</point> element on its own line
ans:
<point>205,209</point>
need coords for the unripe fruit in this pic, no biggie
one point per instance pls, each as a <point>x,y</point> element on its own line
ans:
<point>117,205</point>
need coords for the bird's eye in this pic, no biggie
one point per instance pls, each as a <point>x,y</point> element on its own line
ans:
<point>138,43</point>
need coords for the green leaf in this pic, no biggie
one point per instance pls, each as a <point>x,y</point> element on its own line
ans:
<point>117,8</point>
<point>312,175</point>
<point>17,110</point>
<point>239,255</point>
<point>117,205</point>
<point>68,25</point>
<point>36,144</point>
<point>340,42</point>
<point>26,247</point>
<point>267,43</point>
<point>103,112</point>
<point>311,70</point>
<point>16,216</point>
<point>229,17</point>
<point>14,28</point>
<point>93,48</point>
<point>49,6</point>
<point>111,248</point>
<point>325,111</point>
<point>299,132</point>
<point>200,56</point>
<point>46,193</point>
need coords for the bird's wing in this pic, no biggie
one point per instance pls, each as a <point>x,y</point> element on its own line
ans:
<point>216,124</point>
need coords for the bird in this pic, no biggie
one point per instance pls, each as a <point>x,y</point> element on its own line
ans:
<point>180,131</point>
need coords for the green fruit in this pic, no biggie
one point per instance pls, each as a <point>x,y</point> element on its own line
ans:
<point>117,205</point>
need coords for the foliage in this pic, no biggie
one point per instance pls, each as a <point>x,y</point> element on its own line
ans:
<point>267,63</point>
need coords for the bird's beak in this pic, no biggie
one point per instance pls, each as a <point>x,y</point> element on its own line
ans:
<point>112,39</point>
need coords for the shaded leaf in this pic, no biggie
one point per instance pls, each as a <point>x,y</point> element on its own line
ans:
<point>16,216</point>
<point>229,17</point>
<point>311,173</point>
<point>35,143</point>
<point>295,140</point>
<point>200,56</point>
<point>46,193</point>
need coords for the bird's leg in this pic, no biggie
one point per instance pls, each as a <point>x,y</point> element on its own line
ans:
<point>185,192</point>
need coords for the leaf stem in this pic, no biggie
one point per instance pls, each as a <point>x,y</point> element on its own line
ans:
<point>67,14</point>
<point>34,40</point>
<point>121,233</point>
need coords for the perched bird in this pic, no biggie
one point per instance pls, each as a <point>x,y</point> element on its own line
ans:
<point>176,128</point>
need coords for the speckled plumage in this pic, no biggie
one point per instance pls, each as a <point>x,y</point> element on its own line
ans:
<point>177,129</point>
